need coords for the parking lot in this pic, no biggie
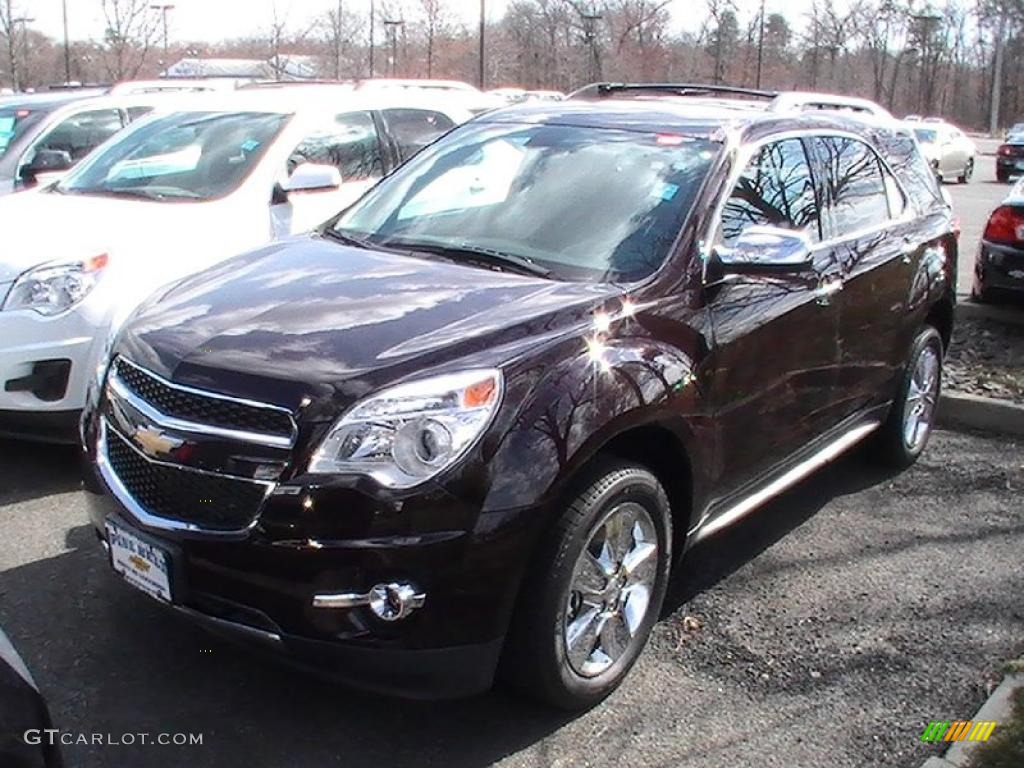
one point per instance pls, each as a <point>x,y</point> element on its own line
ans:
<point>826,629</point>
<point>973,203</point>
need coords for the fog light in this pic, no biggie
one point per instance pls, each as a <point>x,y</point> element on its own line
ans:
<point>389,602</point>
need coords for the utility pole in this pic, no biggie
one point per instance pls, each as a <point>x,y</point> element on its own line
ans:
<point>483,28</point>
<point>373,17</point>
<point>67,44</point>
<point>337,42</point>
<point>760,45</point>
<point>16,74</point>
<point>997,76</point>
<point>164,9</point>
<point>392,25</point>
<point>590,36</point>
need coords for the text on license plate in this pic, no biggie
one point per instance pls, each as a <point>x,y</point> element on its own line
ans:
<point>142,564</point>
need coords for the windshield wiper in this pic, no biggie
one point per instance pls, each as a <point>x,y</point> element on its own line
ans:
<point>486,256</point>
<point>346,239</point>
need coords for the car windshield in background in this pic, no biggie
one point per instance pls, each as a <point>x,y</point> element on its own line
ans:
<point>925,136</point>
<point>577,203</point>
<point>14,121</point>
<point>182,156</point>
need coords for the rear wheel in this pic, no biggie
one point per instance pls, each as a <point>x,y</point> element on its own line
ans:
<point>594,591</point>
<point>903,437</point>
<point>968,172</point>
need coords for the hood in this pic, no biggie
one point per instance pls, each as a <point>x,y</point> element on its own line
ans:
<point>152,238</point>
<point>325,319</point>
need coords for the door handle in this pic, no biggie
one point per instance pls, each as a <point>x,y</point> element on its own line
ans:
<point>826,290</point>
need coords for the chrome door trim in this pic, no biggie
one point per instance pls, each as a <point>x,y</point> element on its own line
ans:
<point>783,482</point>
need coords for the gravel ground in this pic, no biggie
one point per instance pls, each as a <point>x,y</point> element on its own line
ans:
<point>986,358</point>
<point>824,630</point>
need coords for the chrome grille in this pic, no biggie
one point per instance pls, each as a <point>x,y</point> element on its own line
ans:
<point>202,499</point>
<point>204,408</point>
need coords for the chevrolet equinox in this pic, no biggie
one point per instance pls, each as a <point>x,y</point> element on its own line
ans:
<point>467,428</point>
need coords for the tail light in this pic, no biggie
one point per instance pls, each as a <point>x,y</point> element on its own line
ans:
<point>1005,225</point>
<point>1004,150</point>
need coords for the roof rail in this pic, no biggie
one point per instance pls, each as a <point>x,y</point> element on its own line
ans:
<point>602,90</point>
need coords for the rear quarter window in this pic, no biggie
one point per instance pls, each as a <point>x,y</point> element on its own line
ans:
<point>911,168</point>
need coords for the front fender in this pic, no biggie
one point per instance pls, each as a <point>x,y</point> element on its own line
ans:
<point>591,391</point>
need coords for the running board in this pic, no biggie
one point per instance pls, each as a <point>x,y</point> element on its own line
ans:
<point>784,482</point>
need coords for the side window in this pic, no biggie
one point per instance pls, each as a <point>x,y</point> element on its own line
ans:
<point>776,189</point>
<point>857,191</point>
<point>413,129</point>
<point>134,113</point>
<point>82,133</point>
<point>351,145</point>
<point>904,157</point>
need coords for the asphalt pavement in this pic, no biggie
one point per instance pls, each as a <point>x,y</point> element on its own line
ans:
<point>825,630</point>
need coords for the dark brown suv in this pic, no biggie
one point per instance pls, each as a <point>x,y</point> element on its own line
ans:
<point>470,426</point>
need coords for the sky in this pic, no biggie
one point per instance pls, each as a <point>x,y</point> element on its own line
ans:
<point>222,19</point>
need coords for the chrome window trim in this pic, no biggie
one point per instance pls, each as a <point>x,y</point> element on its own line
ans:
<point>171,422</point>
<point>743,155</point>
<point>149,520</point>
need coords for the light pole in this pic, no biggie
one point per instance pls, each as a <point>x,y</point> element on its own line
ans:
<point>480,57</point>
<point>590,35</point>
<point>760,45</point>
<point>392,25</point>
<point>164,9</point>
<point>373,18</point>
<point>67,45</point>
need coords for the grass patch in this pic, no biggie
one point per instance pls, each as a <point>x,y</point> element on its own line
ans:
<point>1005,749</point>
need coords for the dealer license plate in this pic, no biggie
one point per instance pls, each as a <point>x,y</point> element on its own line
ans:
<point>143,565</point>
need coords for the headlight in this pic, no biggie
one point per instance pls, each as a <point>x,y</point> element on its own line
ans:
<point>412,432</point>
<point>54,288</point>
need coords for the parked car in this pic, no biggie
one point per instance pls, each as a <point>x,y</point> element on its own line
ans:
<point>951,153</point>
<point>1010,158</point>
<point>453,93</point>
<point>999,265</point>
<point>178,192</point>
<point>42,136</point>
<point>473,423</point>
<point>24,717</point>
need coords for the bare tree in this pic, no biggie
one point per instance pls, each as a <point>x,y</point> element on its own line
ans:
<point>435,24</point>
<point>131,30</point>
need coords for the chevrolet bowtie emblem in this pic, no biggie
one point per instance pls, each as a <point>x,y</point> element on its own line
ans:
<point>154,442</point>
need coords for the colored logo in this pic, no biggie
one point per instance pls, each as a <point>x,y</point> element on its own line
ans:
<point>958,730</point>
<point>155,442</point>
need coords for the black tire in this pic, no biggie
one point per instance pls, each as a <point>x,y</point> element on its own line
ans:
<point>893,448</point>
<point>536,659</point>
<point>965,177</point>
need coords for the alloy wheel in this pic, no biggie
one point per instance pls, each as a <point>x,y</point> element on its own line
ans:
<point>610,592</point>
<point>922,396</point>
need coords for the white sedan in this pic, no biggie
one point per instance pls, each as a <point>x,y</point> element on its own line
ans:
<point>176,193</point>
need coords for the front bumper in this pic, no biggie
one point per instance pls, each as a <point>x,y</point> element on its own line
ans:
<point>259,588</point>
<point>999,268</point>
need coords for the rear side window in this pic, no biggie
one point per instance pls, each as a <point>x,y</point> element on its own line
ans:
<point>776,189</point>
<point>82,133</point>
<point>857,189</point>
<point>351,145</point>
<point>912,168</point>
<point>413,129</point>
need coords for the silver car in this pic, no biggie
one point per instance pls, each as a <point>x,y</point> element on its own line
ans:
<point>949,151</point>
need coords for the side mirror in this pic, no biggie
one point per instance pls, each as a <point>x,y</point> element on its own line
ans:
<point>310,177</point>
<point>764,250</point>
<point>49,161</point>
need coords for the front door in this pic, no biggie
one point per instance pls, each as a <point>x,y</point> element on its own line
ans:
<point>775,355</point>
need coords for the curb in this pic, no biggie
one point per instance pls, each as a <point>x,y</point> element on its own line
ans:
<point>975,311</point>
<point>989,414</point>
<point>996,708</point>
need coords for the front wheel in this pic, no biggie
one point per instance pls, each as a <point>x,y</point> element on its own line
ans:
<point>594,590</point>
<point>903,437</point>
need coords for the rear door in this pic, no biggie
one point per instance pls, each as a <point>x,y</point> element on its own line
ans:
<point>872,233</point>
<point>775,336</point>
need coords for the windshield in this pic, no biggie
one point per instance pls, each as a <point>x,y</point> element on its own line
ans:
<point>581,203</point>
<point>182,156</point>
<point>925,136</point>
<point>14,121</point>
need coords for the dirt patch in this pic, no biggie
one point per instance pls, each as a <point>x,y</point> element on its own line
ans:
<point>986,358</point>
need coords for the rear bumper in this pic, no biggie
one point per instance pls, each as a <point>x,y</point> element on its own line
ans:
<point>999,267</point>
